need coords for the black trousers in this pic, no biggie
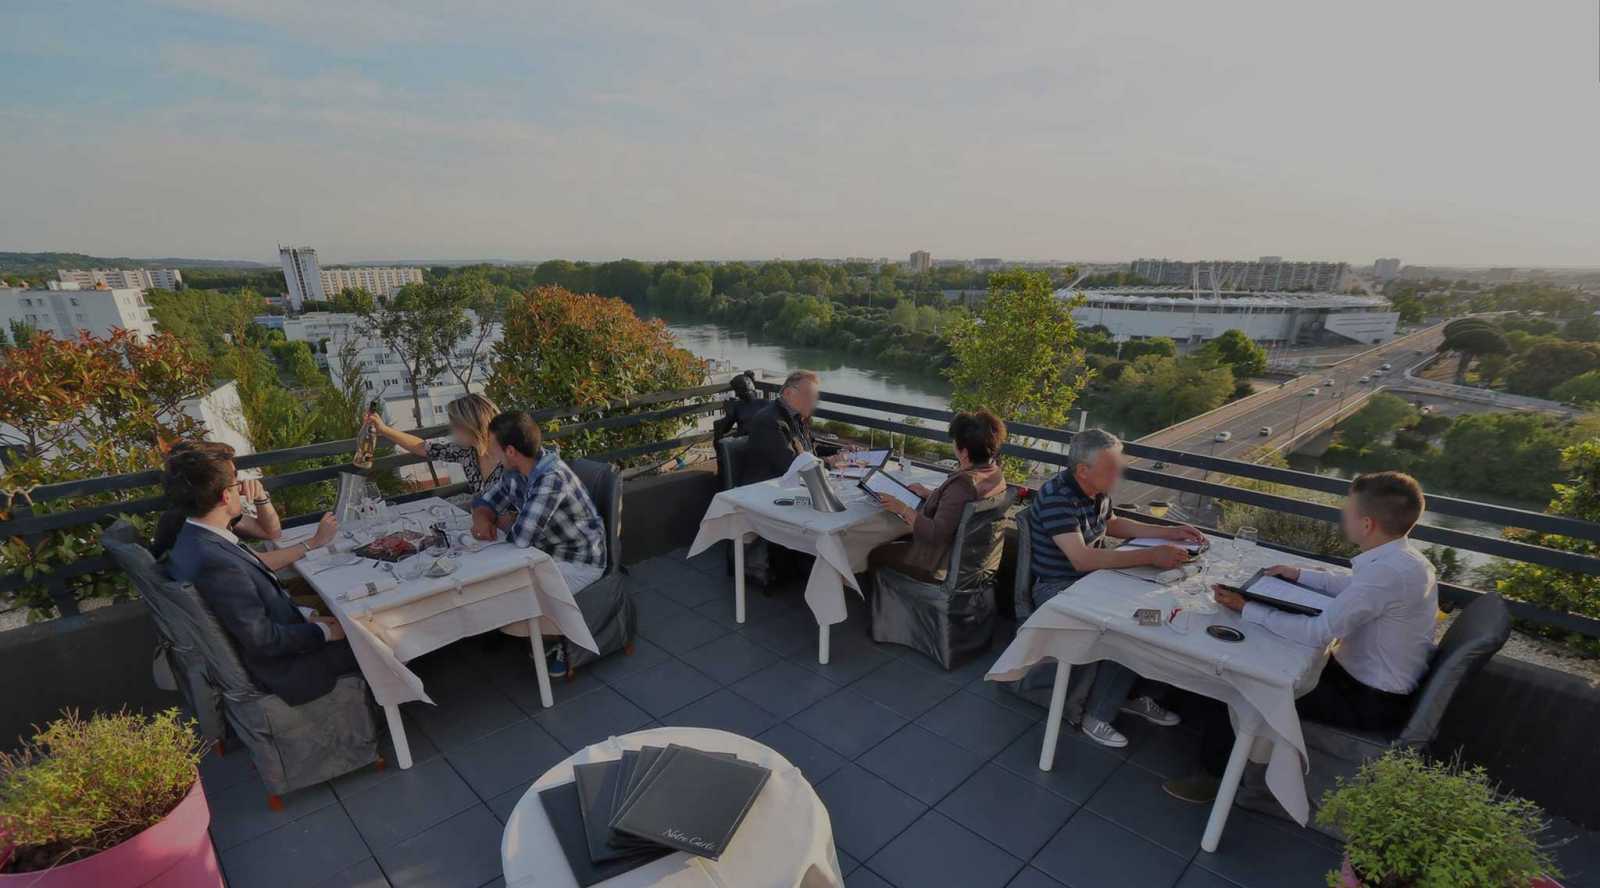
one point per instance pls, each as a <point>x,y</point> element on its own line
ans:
<point>1338,700</point>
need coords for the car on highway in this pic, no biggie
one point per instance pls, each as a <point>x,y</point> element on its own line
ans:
<point>1364,380</point>
<point>1158,465</point>
<point>1312,393</point>
<point>1328,383</point>
<point>1266,431</point>
<point>1223,436</point>
<point>1386,366</point>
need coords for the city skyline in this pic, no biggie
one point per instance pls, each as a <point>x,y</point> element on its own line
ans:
<point>778,130</point>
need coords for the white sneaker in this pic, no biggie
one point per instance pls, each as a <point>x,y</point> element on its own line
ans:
<point>1102,733</point>
<point>1151,711</point>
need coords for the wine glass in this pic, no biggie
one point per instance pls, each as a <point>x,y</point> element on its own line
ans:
<point>1244,543</point>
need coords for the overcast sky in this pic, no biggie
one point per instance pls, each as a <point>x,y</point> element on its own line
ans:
<point>1435,130</point>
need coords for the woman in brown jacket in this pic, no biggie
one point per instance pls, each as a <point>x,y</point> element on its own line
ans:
<point>977,438</point>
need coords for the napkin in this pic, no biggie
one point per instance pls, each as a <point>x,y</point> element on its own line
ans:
<point>801,462</point>
<point>372,587</point>
<point>1177,574</point>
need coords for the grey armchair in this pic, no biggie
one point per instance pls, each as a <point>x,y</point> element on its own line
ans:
<point>291,746</point>
<point>1035,686</point>
<point>607,603</point>
<point>757,565</point>
<point>952,620</point>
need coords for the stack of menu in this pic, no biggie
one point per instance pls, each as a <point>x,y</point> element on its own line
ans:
<point>622,814</point>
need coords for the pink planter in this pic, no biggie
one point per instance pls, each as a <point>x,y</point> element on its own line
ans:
<point>175,853</point>
<point>1347,879</point>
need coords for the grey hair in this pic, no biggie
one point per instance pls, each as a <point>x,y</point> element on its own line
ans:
<point>793,380</point>
<point>1089,444</point>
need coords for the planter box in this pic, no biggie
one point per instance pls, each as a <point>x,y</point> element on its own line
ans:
<point>175,853</point>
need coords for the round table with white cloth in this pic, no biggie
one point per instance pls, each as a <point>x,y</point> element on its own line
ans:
<point>786,839</point>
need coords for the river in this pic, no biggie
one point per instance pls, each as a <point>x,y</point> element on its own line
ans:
<point>841,371</point>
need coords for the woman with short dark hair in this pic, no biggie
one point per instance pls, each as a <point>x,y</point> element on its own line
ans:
<point>977,437</point>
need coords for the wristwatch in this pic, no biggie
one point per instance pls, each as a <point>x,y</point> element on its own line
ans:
<point>264,501</point>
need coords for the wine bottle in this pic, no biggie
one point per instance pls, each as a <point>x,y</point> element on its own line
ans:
<point>366,441</point>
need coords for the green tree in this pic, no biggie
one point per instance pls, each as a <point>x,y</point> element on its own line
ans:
<point>1539,370</point>
<point>1584,328</point>
<point>1577,497</point>
<point>1471,340</point>
<point>1377,419</point>
<point>1238,351</point>
<point>1581,389</point>
<point>207,318</point>
<point>1017,354</point>
<point>1278,526</point>
<point>1505,455</point>
<point>421,324</point>
<point>1155,392</point>
<point>353,300</point>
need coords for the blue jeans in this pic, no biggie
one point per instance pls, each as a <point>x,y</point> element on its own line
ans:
<point>1113,682</point>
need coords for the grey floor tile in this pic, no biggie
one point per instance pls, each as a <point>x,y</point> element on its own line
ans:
<point>462,852</point>
<point>654,607</point>
<point>730,658</point>
<point>667,687</point>
<point>512,755</point>
<point>365,874</point>
<point>847,864</point>
<point>645,655</point>
<point>592,718</point>
<point>1032,878</point>
<point>684,632</point>
<point>502,805</point>
<point>712,561</point>
<point>724,711</point>
<point>1256,851</point>
<point>304,852</point>
<point>463,713</point>
<point>240,812</point>
<point>862,877</point>
<point>1093,853</point>
<point>1197,876</point>
<point>522,686</point>
<point>1577,852</point>
<point>218,772</point>
<point>1009,811</point>
<point>1170,752</point>
<point>907,688</point>
<point>1078,770</point>
<point>866,811</point>
<point>995,692</point>
<point>680,582</point>
<point>784,689</point>
<point>814,760</point>
<point>414,800</point>
<point>977,724</point>
<point>937,851</point>
<point>921,764</point>
<point>788,635</point>
<point>1133,799</point>
<point>422,749</point>
<point>758,608</point>
<point>849,657</point>
<point>848,722</point>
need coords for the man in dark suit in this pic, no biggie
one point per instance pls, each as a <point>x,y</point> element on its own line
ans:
<point>292,652</point>
<point>782,430</point>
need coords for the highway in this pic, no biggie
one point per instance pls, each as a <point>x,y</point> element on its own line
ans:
<point>1289,411</point>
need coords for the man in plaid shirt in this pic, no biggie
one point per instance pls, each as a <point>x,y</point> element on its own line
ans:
<point>538,500</point>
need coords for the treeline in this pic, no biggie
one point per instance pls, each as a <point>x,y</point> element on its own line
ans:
<point>1527,354</point>
<point>1140,386</point>
<point>1439,298</point>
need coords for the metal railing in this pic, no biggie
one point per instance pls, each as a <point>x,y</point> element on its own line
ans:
<point>705,400</point>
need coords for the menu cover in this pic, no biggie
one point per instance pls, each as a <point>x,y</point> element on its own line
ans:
<point>562,806</point>
<point>596,783</point>
<point>648,759</point>
<point>1284,595</point>
<point>881,484</point>
<point>692,801</point>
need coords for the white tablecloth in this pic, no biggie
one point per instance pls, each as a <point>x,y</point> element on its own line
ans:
<point>497,586</point>
<point>786,841</point>
<point>840,541</point>
<point>1258,678</point>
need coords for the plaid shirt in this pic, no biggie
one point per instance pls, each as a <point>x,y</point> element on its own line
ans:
<point>554,512</point>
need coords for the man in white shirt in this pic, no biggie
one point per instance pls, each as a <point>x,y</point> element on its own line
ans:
<point>1380,617</point>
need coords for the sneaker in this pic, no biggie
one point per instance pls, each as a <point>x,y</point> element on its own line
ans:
<point>555,658</point>
<point>1151,711</point>
<point>1200,789</point>
<point>1103,733</point>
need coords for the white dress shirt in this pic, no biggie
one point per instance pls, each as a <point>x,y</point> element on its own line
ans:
<point>1383,614</point>
<point>230,536</point>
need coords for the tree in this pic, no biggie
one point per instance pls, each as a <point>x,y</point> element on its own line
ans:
<point>354,300</point>
<point>1155,392</point>
<point>1276,525</point>
<point>1471,340</point>
<point>1539,370</point>
<point>1240,352</point>
<point>422,324</point>
<point>207,318</point>
<point>1584,328</point>
<point>1578,497</point>
<point>1447,564</point>
<point>1017,354</point>
<point>1515,456</point>
<point>1581,389</point>
<point>487,305</point>
<point>1377,419</point>
<point>561,348</point>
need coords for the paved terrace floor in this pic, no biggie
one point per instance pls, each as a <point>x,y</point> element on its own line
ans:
<point>930,778</point>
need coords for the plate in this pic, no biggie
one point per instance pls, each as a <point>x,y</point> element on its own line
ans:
<point>440,568</point>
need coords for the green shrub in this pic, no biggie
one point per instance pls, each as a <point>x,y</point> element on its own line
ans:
<point>81,787</point>
<point>1411,823</point>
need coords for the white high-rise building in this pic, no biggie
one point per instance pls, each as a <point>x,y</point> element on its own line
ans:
<point>921,261</point>
<point>63,311</point>
<point>302,276</point>
<point>1386,270</point>
<point>122,278</point>
<point>379,281</point>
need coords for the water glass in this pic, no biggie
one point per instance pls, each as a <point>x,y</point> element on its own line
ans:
<point>1244,543</point>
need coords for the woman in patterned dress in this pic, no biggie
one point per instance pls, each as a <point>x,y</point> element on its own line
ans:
<point>468,446</point>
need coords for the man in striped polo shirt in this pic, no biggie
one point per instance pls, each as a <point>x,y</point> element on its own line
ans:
<point>1070,521</point>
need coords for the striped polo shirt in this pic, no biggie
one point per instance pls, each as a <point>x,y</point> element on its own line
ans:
<point>1061,507</point>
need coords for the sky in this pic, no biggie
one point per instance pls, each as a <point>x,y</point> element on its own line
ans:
<point>1440,132</point>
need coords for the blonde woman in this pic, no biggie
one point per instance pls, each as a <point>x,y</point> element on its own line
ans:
<point>468,446</point>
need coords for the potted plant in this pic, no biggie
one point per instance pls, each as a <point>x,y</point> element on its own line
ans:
<point>114,800</point>
<point>1412,823</point>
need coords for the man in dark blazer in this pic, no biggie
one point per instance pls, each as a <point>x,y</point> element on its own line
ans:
<point>782,430</point>
<point>292,652</point>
